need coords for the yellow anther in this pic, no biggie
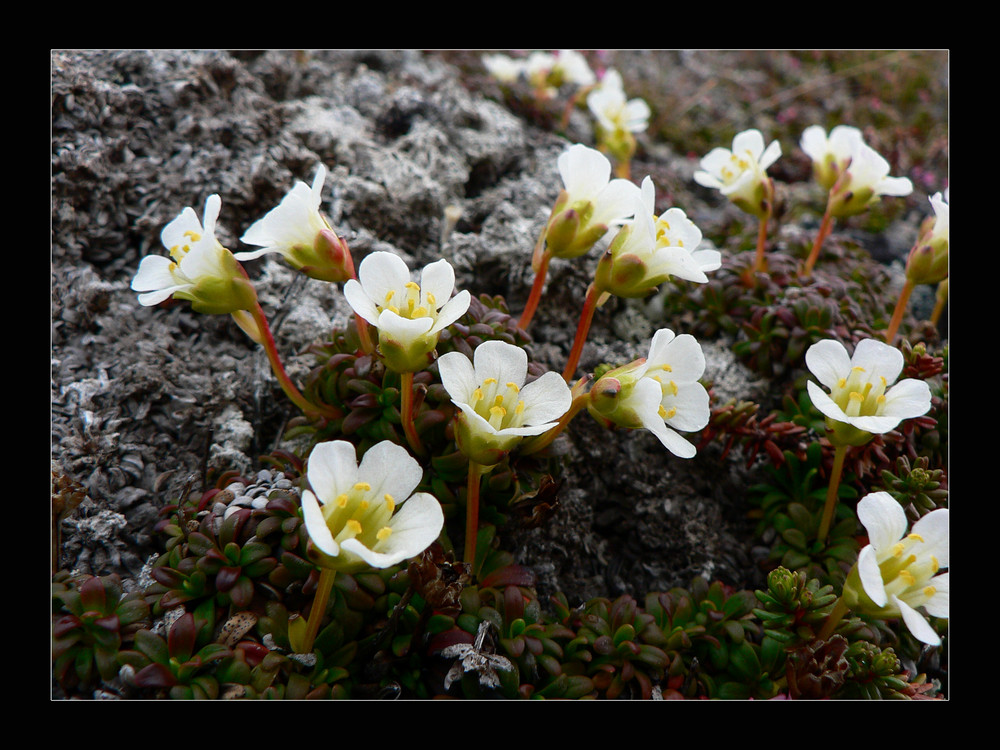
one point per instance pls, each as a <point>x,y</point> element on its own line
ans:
<point>390,294</point>
<point>363,486</point>
<point>384,533</point>
<point>363,506</point>
<point>490,381</point>
<point>431,300</point>
<point>420,312</point>
<point>195,237</point>
<point>477,395</point>
<point>341,501</point>
<point>929,591</point>
<point>857,368</point>
<point>498,400</point>
<point>897,549</point>
<point>513,387</point>
<point>673,388</point>
<point>354,526</point>
<point>498,411</point>
<point>842,382</point>
<point>390,502</point>
<point>935,564</point>
<point>392,308</point>
<point>915,537</point>
<point>671,413</point>
<point>520,407</point>
<point>907,577</point>
<point>412,285</point>
<point>661,411</point>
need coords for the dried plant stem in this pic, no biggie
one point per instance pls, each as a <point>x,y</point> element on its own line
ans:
<point>406,413</point>
<point>472,512</point>
<point>897,314</point>
<point>318,609</point>
<point>831,493</point>
<point>582,329</point>
<point>267,341</point>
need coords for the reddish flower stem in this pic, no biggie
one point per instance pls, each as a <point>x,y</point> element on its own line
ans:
<point>472,512</point>
<point>897,314</point>
<point>536,291</point>
<point>406,413</point>
<point>293,393</point>
<point>582,329</point>
<point>831,493</point>
<point>824,231</point>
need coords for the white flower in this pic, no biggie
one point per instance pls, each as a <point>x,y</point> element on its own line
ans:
<point>860,393</point>
<point>199,269</point>
<point>927,262</point>
<point>409,315</point>
<point>649,250</point>
<point>572,67</point>
<point>496,408</point>
<point>830,155</point>
<point>898,572</point>
<point>613,110</point>
<point>740,173</point>
<point>504,68</point>
<point>660,393</point>
<point>864,182</point>
<point>296,229</point>
<point>367,515</point>
<point>590,203</point>
<point>940,231</point>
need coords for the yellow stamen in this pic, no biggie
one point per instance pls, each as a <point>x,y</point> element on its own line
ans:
<point>195,237</point>
<point>897,549</point>
<point>354,526</point>
<point>498,411</point>
<point>929,591</point>
<point>520,407</point>
<point>431,300</point>
<point>513,387</point>
<point>490,381</point>
<point>363,506</point>
<point>341,501</point>
<point>384,533</point>
<point>363,486</point>
<point>907,577</point>
<point>390,502</point>
<point>477,395</point>
<point>915,537</point>
<point>412,285</point>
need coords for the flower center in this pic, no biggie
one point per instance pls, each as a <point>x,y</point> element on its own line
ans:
<point>177,252</point>
<point>736,167</point>
<point>358,513</point>
<point>906,572</point>
<point>860,396</point>
<point>501,406</point>
<point>410,302</point>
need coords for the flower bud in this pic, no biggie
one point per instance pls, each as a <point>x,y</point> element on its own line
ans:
<point>327,259</point>
<point>609,396</point>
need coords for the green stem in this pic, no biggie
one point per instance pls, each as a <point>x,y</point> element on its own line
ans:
<point>833,619</point>
<point>267,341</point>
<point>406,413</point>
<point>472,512</point>
<point>831,493</point>
<point>318,610</point>
<point>582,329</point>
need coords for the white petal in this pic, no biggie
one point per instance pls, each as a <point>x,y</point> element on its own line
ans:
<point>707,180</point>
<point>658,346</point>
<point>933,529</point>
<point>438,278</point>
<point>148,299</point>
<point>822,401</point>
<point>751,140</point>
<point>917,625</point>
<point>360,302</point>
<point>452,310</point>
<point>390,469</point>
<point>770,155</point>
<point>828,361</point>
<point>382,272</point>
<point>316,526</point>
<point>937,605</point>
<point>672,441</point>
<point>584,171</point>
<point>332,468</point>
<point>498,359</point>
<point>213,205</point>
<point>685,357</point>
<point>153,274</point>
<point>176,232</point>
<point>907,399</point>
<point>457,376</point>
<point>871,576</point>
<point>546,399</point>
<point>878,358</point>
<point>692,405</point>
<point>896,186</point>
<point>874,425</point>
<point>814,142</point>
<point>414,528</point>
<point>883,518</point>
<point>615,202</point>
<point>402,330</point>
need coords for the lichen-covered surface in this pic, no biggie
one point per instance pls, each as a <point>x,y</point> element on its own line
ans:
<point>150,403</point>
